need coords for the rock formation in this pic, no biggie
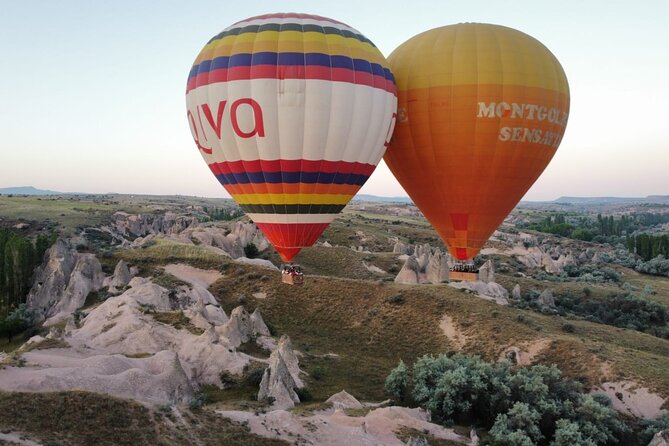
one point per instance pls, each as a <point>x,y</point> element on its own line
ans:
<point>278,382</point>
<point>660,439</point>
<point>409,272</point>
<point>487,272</point>
<point>63,282</point>
<point>242,327</point>
<point>546,299</point>
<point>437,268</point>
<point>344,400</point>
<point>490,291</point>
<point>120,279</point>
<point>424,266</point>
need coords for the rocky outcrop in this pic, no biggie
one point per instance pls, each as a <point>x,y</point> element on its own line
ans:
<point>660,439</point>
<point>158,379</point>
<point>487,272</point>
<point>242,327</point>
<point>409,272</point>
<point>401,248</point>
<point>279,381</point>
<point>63,282</point>
<point>490,291</point>
<point>344,400</point>
<point>546,299</point>
<point>140,225</point>
<point>437,268</point>
<point>424,266</point>
<point>120,279</point>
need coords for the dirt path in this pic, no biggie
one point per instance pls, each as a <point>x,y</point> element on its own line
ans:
<point>452,332</point>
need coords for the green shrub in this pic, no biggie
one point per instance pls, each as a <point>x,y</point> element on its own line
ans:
<point>519,406</point>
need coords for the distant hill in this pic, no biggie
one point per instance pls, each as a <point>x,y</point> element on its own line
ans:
<point>377,199</point>
<point>613,200</point>
<point>27,190</point>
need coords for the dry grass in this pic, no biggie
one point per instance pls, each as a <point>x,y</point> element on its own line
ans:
<point>356,320</point>
<point>45,345</point>
<point>82,418</point>
<point>164,251</point>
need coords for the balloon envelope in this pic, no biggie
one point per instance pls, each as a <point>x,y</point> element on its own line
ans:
<point>292,113</point>
<point>481,111</point>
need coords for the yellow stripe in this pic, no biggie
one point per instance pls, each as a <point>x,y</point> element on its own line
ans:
<point>292,198</point>
<point>291,41</point>
<point>475,53</point>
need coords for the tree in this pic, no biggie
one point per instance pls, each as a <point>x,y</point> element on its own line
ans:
<point>19,320</point>
<point>397,381</point>
<point>251,250</point>
<point>567,433</point>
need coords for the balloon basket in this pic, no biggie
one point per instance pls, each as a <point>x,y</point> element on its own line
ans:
<point>292,280</point>
<point>463,276</point>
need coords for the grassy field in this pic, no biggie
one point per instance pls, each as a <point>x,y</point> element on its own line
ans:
<point>370,329</point>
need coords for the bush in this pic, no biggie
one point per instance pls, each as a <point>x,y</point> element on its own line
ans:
<point>397,381</point>
<point>521,406</point>
<point>651,427</point>
<point>251,250</point>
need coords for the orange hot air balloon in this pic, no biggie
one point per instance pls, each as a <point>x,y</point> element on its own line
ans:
<point>481,111</point>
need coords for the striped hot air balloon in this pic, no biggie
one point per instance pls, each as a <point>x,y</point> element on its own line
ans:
<point>482,110</point>
<point>292,113</point>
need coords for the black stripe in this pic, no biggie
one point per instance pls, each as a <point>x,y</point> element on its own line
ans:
<point>290,27</point>
<point>292,208</point>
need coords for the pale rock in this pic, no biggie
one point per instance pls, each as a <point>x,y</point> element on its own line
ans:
<point>546,299</point>
<point>158,379</point>
<point>285,349</point>
<point>489,291</point>
<point>437,269</point>
<point>409,272</point>
<point>239,328</point>
<point>549,264</point>
<point>277,384</point>
<point>326,244</point>
<point>423,259</point>
<point>204,357</point>
<point>660,439</point>
<point>373,268</point>
<point>487,272</point>
<point>344,400</point>
<point>62,282</point>
<point>257,262</point>
<point>515,293</point>
<point>258,326</point>
<point>401,248</point>
<point>120,278</point>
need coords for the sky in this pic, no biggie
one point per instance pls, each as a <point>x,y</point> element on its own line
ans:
<point>92,92</point>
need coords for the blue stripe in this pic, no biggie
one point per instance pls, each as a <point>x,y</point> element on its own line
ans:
<point>291,59</point>
<point>292,177</point>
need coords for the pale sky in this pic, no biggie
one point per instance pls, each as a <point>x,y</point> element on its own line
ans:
<point>92,92</point>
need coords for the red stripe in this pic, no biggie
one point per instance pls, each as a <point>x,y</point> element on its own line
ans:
<point>291,72</point>
<point>280,165</point>
<point>461,253</point>
<point>292,235</point>
<point>291,15</point>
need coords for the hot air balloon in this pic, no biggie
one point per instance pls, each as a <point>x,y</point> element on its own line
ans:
<point>292,113</point>
<point>481,111</point>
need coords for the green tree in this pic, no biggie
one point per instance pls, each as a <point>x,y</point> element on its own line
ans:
<point>568,433</point>
<point>397,381</point>
<point>251,250</point>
